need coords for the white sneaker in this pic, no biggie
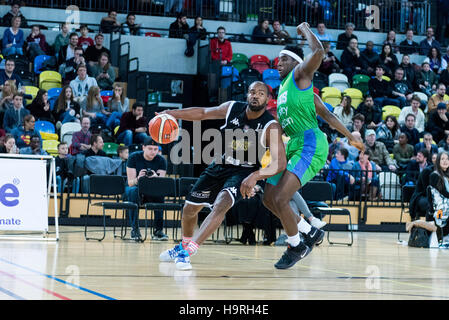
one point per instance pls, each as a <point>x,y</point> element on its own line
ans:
<point>170,254</point>
<point>182,261</point>
<point>317,223</point>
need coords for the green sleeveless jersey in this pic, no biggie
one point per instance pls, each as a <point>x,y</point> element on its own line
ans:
<point>296,107</point>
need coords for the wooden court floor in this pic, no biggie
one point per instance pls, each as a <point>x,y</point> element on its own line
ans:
<point>375,267</point>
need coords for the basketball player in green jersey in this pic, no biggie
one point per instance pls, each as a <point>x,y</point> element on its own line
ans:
<point>307,148</point>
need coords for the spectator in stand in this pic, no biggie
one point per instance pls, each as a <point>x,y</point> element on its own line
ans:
<point>197,30</point>
<point>280,36</point>
<point>409,71</point>
<point>380,89</point>
<point>391,40</point>
<point>221,49</point>
<point>388,59</point>
<point>444,78</point>
<point>439,97</point>
<point>409,127</point>
<point>94,108</point>
<point>345,111</point>
<point>428,42</point>
<point>358,124</point>
<point>123,154</point>
<point>14,116</point>
<point>14,12</point>
<point>103,72</point>
<point>378,153</point>
<point>35,147</point>
<point>179,29</point>
<point>427,144</point>
<point>415,167</point>
<point>442,146</point>
<point>96,147</point>
<point>370,58</point>
<point>40,107</point>
<point>81,85</point>
<point>6,99</point>
<point>388,133</point>
<point>13,38</point>
<point>371,112</point>
<point>344,38</point>
<point>366,178</point>
<point>62,167</point>
<point>408,46</point>
<point>110,23</point>
<point>446,56</point>
<point>69,68</point>
<point>23,133</point>
<point>62,39</point>
<point>81,139</point>
<point>338,175</point>
<point>131,28</point>
<point>9,74</point>
<point>324,36</point>
<point>66,108</point>
<point>170,4</point>
<point>351,61</point>
<point>403,152</point>
<point>68,51</point>
<point>427,80</point>
<point>414,109</point>
<point>133,126</point>
<point>93,53</point>
<point>436,62</point>
<point>10,145</point>
<point>330,62</point>
<point>37,43</point>
<point>262,32</point>
<point>84,41</point>
<point>117,105</point>
<point>438,124</point>
<point>400,89</point>
<point>442,13</point>
<point>144,164</point>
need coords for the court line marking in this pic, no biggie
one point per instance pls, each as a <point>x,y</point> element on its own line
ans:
<point>59,280</point>
<point>11,294</point>
<point>60,296</point>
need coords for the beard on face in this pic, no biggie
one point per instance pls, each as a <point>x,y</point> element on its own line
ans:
<point>256,106</point>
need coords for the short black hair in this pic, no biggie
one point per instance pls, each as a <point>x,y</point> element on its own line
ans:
<point>344,152</point>
<point>73,34</point>
<point>121,148</point>
<point>94,138</point>
<point>297,50</point>
<point>137,104</point>
<point>424,152</point>
<point>221,28</point>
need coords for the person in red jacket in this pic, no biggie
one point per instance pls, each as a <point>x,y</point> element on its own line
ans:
<point>221,49</point>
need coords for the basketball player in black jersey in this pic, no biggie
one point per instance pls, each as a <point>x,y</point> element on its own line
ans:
<point>232,177</point>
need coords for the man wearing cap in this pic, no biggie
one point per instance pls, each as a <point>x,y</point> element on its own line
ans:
<point>146,163</point>
<point>378,153</point>
<point>438,124</point>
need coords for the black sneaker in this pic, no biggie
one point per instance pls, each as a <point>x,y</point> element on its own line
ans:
<point>135,235</point>
<point>159,235</point>
<point>292,255</point>
<point>314,237</point>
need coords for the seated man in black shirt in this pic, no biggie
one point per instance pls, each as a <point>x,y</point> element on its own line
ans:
<point>371,112</point>
<point>409,127</point>
<point>142,164</point>
<point>408,46</point>
<point>400,89</point>
<point>96,149</point>
<point>415,167</point>
<point>93,53</point>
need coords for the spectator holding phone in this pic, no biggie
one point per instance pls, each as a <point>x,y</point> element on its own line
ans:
<point>103,72</point>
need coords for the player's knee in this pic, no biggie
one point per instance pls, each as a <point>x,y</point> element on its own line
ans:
<point>267,201</point>
<point>189,210</point>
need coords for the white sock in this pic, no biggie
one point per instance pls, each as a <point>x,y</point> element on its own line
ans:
<point>294,241</point>
<point>303,226</point>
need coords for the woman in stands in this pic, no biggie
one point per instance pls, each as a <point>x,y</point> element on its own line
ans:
<point>388,58</point>
<point>13,38</point>
<point>40,107</point>
<point>345,111</point>
<point>436,62</point>
<point>23,134</point>
<point>66,109</point>
<point>262,32</point>
<point>94,108</point>
<point>9,145</point>
<point>103,72</point>
<point>6,95</point>
<point>389,133</point>
<point>198,29</point>
<point>117,105</point>
<point>366,179</point>
<point>391,40</point>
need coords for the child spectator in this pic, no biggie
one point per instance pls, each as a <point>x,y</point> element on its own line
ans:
<point>85,41</point>
<point>62,39</point>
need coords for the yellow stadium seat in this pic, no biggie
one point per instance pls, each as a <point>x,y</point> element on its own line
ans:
<point>390,111</point>
<point>356,96</point>
<point>31,91</point>
<point>49,136</point>
<point>116,129</point>
<point>51,146</point>
<point>331,95</point>
<point>50,79</point>
<point>386,78</point>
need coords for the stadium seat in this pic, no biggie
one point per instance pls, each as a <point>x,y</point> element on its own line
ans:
<point>38,62</point>
<point>317,91</point>
<point>424,98</point>
<point>274,63</point>
<point>249,76</point>
<point>110,148</point>
<point>239,61</point>
<point>360,81</point>
<point>153,34</point>
<point>272,106</point>
<point>44,126</point>
<point>53,95</point>
<point>320,80</point>
<point>356,96</point>
<point>228,76</point>
<point>49,136</point>
<point>390,111</point>
<point>331,95</point>
<point>51,146</point>
<point>32,91</point>
<point>339,81</point>
<point>50,79</point>
<point>386,78</point>
<point>260,63</point>
<point>272,78</point>
<point>26,76</point>
<point>67,130</point>
<point>106,95</point>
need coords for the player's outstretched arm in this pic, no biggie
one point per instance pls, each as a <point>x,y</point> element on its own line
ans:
<point>198,113</point>
<point>273,139</point>
<point>334,122</point>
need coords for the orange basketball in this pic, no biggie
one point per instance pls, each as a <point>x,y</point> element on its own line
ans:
<point>163,128</point>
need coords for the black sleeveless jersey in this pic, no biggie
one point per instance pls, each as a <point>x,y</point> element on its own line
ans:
<point>243,139</point>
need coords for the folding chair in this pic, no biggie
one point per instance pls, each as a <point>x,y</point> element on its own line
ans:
<point>322,191</point>
<point>109,187</point>
<point>259,62</point>
<point>331,95</point>
<point>157,187</point>
<point>407,193</point>
<point>38,62</point>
